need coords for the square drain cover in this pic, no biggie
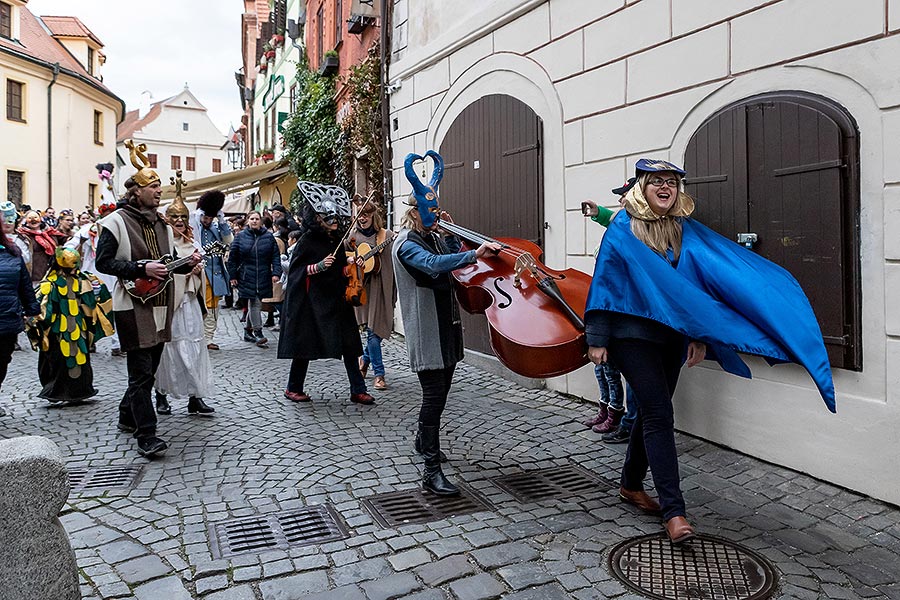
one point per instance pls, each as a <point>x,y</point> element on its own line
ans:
<point>301,527</point>
<point>555,482</point>
<point>97,480</point>
<point>415,506</point>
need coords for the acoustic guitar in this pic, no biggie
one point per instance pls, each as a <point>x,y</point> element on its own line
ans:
<point>145,288</point>
<point>370,255</point>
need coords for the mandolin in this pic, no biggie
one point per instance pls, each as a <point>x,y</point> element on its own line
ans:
<point>145,288</point>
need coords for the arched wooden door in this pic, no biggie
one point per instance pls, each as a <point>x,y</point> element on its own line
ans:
<point>493,180</point>
<point>785,167</point>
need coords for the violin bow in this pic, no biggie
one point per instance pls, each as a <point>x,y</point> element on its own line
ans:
<point>353,224</point>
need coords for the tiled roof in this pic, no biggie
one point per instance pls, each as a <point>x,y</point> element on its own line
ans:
<point>35,43</point>
<point>133,122</point>
<point>69,27</point>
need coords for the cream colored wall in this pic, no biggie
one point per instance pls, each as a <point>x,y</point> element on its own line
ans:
<point>74,151</point>
<point>614,81</point>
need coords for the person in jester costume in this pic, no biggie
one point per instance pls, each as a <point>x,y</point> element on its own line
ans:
<point>76,311</point>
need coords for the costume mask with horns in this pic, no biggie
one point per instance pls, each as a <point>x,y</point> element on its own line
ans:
<point>426,195</point>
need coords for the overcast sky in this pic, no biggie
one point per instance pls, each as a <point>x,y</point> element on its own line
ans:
<point>162,44</point>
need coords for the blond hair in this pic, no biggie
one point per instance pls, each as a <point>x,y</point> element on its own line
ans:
<point>411,218</point>
<point>662,233</point>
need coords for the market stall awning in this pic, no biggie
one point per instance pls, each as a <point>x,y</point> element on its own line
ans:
<point>229,183</point>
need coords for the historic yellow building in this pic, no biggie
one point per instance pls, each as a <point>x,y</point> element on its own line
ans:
<point>59,119</point>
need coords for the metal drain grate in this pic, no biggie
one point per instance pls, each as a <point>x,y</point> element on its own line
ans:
<point>103,479</point>
<point>555,482</point>
<point>301,527</point>
<point>415,506</point>
<point>706,567</point>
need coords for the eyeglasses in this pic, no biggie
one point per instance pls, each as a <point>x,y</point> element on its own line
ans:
<point>659,182</point>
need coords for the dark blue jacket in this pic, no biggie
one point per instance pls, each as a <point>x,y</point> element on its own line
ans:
<point>253,261</point>
<point>15,293</point>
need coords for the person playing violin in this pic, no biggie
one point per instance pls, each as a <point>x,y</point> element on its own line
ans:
<point>376,316</point>
<point>317,321</point>
<point>423,260</point>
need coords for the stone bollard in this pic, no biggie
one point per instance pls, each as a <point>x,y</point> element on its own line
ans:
<point>36,559</point>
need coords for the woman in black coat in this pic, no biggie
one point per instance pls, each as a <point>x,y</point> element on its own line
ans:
<point>317,322</point>
<point>254,264</point>
<point>16,294</point>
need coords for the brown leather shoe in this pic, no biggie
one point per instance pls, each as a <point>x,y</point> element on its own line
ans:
<point>380,383</point>
<point>640,499</point>
<point>296,396</point>
<point>363,398</point>
<point>679,530</point>
<point>212,346</point>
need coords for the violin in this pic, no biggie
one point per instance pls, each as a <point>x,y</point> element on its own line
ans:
<point>355,293</point>
<point>533,311</point>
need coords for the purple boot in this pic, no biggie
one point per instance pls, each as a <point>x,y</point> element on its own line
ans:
<point>600,417</point>
<point>613,416</point>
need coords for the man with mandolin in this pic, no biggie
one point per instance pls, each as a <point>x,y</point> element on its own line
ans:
<point>132,243</point>
<point>370,243</point>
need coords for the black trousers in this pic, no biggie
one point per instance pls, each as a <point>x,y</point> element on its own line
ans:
<point>652,370</point>
<point>300,366</point>
<point>7,345</point>
<point>435,389</point>
<point>136,408</point>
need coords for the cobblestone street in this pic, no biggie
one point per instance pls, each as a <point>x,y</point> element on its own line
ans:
<point>261,454</point>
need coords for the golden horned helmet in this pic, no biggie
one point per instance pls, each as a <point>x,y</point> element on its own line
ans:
<point>145,175</point>
<point>178,208</point>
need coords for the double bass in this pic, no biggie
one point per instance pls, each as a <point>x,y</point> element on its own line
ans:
<point>534,313</point>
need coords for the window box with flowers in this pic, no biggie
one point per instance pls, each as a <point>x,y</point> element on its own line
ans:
<point>277,40</point>
<point>265,155</point>
<point>263,65</point>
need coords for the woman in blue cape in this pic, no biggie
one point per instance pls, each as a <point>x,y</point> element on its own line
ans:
<point>667,290</point>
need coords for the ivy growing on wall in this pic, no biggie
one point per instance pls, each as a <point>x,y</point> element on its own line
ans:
<point>311,134</point>
<point>362,126</point>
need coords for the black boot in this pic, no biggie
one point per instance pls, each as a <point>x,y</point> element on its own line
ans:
<point>270,320</point>
<point>162,405</point>
<point>198,406</point>
<point>418,446</point>
<point>433,479</point>
<point>248,335</point>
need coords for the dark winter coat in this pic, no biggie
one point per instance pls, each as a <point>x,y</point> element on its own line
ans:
<point>253,261</point>
<point>316,321</point>
<point>16,293</point>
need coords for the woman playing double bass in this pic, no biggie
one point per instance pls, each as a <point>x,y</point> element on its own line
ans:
<point>423,260</point>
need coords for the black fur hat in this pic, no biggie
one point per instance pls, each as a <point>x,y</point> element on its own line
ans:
<point>211,202</point>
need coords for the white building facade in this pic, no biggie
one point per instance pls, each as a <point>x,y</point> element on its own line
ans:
<point>610,81</point>
<point>179,135</point>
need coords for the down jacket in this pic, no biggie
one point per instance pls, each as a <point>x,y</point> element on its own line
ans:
<point>16,294</point>
<point>253,261</point>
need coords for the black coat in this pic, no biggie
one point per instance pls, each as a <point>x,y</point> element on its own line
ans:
<point>316,321</point>
<point>16,293</point>
<point>253,261</point>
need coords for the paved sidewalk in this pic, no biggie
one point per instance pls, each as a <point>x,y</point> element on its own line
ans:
<point>261,454</point>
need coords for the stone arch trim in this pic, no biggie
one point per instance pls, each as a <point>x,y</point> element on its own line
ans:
<point>525,80</point>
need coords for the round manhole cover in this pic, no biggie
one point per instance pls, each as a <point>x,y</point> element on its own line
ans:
<point>704,568</point>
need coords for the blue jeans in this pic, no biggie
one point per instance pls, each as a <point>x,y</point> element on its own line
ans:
<point>372,353</point>
<point>610,380</point>
<point>652,369</point>
<point>630,416</point>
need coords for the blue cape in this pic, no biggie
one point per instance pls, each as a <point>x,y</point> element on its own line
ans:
<point>720,293</point>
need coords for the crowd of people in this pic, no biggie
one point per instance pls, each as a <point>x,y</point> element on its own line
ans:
<point>332,276</point>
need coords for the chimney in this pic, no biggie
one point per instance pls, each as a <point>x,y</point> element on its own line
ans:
<point>144,106</point>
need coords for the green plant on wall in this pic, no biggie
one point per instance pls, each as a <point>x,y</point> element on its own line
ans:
<point>362,126</point>
<point>311,134</point>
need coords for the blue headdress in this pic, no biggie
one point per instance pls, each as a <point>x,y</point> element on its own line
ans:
<point>425,195</point>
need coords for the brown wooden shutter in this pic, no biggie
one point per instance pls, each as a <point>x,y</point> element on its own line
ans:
<point>785,166</point>
<point>493,180</point>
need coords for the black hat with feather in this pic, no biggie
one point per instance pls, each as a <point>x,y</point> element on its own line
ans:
<point>211,202</point>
